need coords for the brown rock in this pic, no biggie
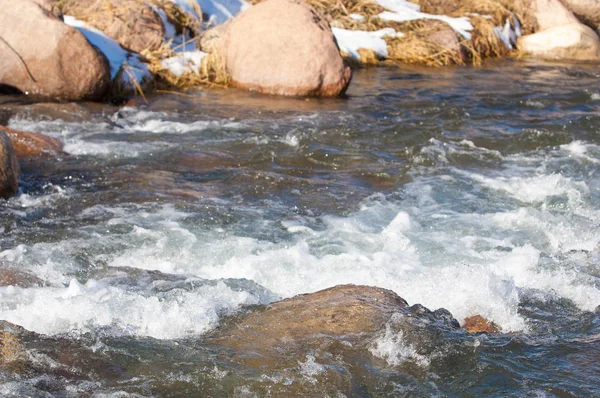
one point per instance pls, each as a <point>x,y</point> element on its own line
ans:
<point>346,311</point>
<point>27,144</point>
<point>445,38</point>
<point>284,47</point>
<point>13,277</point>
<point>43,57</point>
<point>212,39</point>
<point>572,42</point>
<point>50,7</point>
<point>131,23</point>
<point>560,35</point>
<point>478,324</point>
<point>9,168</point>
<point>588,11</point>
<point>551,13</point>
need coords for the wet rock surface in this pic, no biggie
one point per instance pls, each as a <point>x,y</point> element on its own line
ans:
<point>284,47</point>
<point>29,144</point>
<point>478,324</point>
<point>9,168</point>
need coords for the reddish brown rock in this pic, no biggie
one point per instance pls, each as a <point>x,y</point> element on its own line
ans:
<point>43,57</point>
<point>13,277</point>
<point>478,324</point>
<point>284,47</point>
<point>28,144</point>
<point>9,168</point>
<point>131,23</point>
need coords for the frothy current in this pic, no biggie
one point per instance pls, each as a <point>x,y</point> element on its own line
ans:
<point>473,190</point>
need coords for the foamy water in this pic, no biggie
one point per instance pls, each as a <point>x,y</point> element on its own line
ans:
<point>159,223</point>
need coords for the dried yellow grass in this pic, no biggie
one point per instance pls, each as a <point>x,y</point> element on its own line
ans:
<point>212,71</point>
<point>416,46</point>
<point>182,21</point>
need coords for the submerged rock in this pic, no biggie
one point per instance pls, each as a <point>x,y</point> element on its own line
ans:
<point>132,23</point>
<point>9,168</point>
<point>478,324</point>
<point>28,144</point>
<point>43,57</point>
<point>353,316</point>
<point>284,47</point>
<point>560,35</point>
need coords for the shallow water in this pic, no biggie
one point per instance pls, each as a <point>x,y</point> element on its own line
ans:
<point>470,189</point>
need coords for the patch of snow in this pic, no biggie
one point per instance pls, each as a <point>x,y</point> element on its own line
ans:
<point>184,62</point>
<point>116,55</point>
<point>350,41</point>
<point>402,11</point>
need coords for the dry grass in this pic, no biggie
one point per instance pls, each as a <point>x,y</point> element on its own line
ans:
<point>211,72</point>
<point>182,21</point>
<point>418,47</point>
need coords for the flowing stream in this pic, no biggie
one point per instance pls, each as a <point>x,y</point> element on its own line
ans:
<point>476,190</point>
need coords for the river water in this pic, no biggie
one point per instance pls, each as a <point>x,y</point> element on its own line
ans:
<point>476,190</point>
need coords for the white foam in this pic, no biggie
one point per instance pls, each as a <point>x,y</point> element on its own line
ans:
<point>81,308</point>
<point>537,188</point>
<point>311,368</point>
<point>395,350</point>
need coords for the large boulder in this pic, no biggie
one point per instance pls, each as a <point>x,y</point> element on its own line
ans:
<point>9,168</point>
<point>28,144</point>
<point>588,11</point>
<point>132,23</point>
<point>560,35</point>
<point>284,47</point>
<point>350,315</point>
<point>43,57</point>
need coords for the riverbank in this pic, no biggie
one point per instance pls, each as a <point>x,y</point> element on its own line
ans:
<point>179,45</point>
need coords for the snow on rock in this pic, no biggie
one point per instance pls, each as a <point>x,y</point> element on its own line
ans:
<point>116,55</point>
<point>349,41</point>
<point>184,62</point>
<point>218,11</point>
<point>402,11</point>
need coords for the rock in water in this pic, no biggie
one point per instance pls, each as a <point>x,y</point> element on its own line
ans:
<point>353,316</point>
<point>478,324</point>
<point>284,47</point>
<point>9,168</point>
<point>43,57</point>
<point>27,144</point>
<point>561,35</point>
<point>131,23</point>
